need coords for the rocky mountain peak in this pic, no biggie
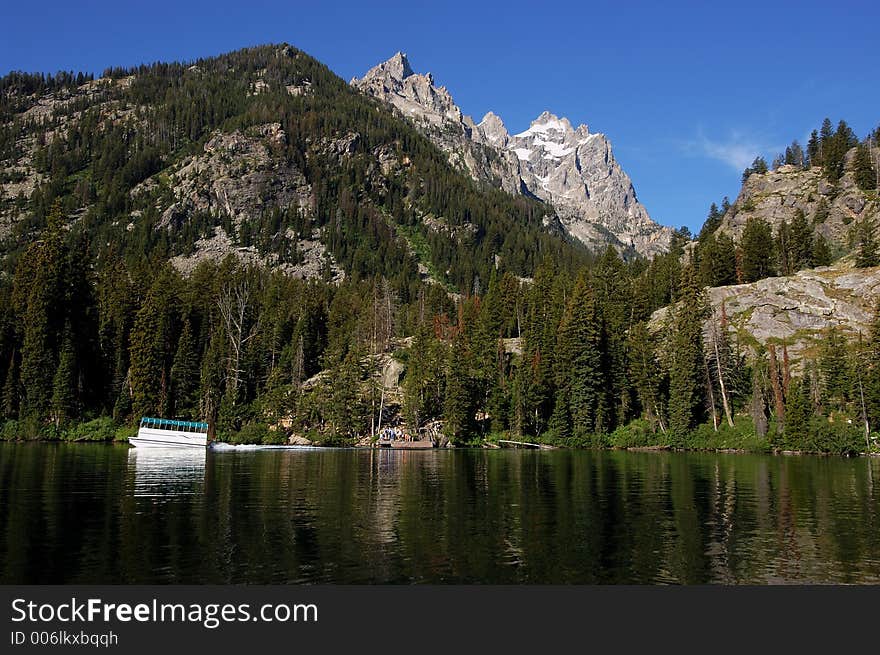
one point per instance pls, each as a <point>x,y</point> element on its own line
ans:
<point>571,169</point>
<point>414,95</point>
<point>549,124</point>
<point>493,130</point>
<point>397,68</point>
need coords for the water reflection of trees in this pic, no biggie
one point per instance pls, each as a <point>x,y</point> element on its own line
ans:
<point>69,514</point>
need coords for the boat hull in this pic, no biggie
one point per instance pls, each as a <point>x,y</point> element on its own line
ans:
<point>154,438</point>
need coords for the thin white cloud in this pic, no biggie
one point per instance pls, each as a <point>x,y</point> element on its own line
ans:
<point>738,150</point>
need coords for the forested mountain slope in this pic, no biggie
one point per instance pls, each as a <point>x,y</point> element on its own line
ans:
<point>247,240</point>
<point>262,152</point>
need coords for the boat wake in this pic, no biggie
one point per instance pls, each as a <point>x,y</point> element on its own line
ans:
<point>233,448</point>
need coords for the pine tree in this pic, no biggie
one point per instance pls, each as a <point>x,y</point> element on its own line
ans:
<point>834,148</point>
<point>423,383</point>
<point>813,150</point>
<point>344,405</point>
<point>64,404</point>
<point>713,221</point>
<point>212,376</point>
<point>118,297</point>
<point>834,365</point>
<point>784,254</point>
<point>757,250</point>
<point>821,213</point>
<point>717,257</point>
<point>759,166</point>
<point>794,155</point>
<point>863,168</point>
<point>537,392</point>
<point>825,132</point>
<point>580,366</point>
<point>801,244</point>
<point>459,406</point>
<point>613,291</point>
<point>798,415</point>
<point>686,357</point>
<point>821,251</point>
<point>872,373</point>
<point>646,374</point>
<point>152,349</point>
<point>868,254</point>
<point>546,303</point>
<point>45,300</point>
<point>185,372</point>
<point>560,425</point>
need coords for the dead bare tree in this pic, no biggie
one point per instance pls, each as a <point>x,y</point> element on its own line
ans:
<point>786,369</point>
<point>720,355</point>
<point>710,395</point>
<point>235,302</point>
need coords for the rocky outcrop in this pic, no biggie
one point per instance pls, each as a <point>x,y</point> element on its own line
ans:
<point>573,170</point>
<point>313,256</point>
<point>778,195</point>
<point>796,310</point>
<point>236,176</point>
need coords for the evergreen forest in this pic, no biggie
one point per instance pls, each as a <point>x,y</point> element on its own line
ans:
<point>498,325</point>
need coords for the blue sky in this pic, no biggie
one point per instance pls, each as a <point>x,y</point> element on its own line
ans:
<point>688,92</point>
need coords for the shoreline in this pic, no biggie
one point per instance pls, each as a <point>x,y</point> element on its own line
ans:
<point>485,445</point>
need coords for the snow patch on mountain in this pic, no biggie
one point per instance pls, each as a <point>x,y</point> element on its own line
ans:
<point>571,169</point>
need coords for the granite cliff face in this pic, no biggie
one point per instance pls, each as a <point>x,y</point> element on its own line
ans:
<point>777,195</point>
<point>238,175</point>
<point>796,309</point>
<point>573,170</point>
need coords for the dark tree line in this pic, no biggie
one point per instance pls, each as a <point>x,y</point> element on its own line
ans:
<point>572,357</point>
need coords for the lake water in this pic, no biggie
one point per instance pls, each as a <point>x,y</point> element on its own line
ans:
<point>88,513</point>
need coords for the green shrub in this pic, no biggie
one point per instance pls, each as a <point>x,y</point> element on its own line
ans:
<point>29,429</point>
<point>99,429</point>
<point>636,434</point>
<point>258,433</point>
<point>125,432</point>
<point>275,437</point>
<point>837,438</point>
<point>10,431</point>
<point>741,436</point>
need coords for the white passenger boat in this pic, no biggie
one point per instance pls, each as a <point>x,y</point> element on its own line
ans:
<point>168,433</point>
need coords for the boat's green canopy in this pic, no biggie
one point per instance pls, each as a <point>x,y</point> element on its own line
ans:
<point>171,423</point>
